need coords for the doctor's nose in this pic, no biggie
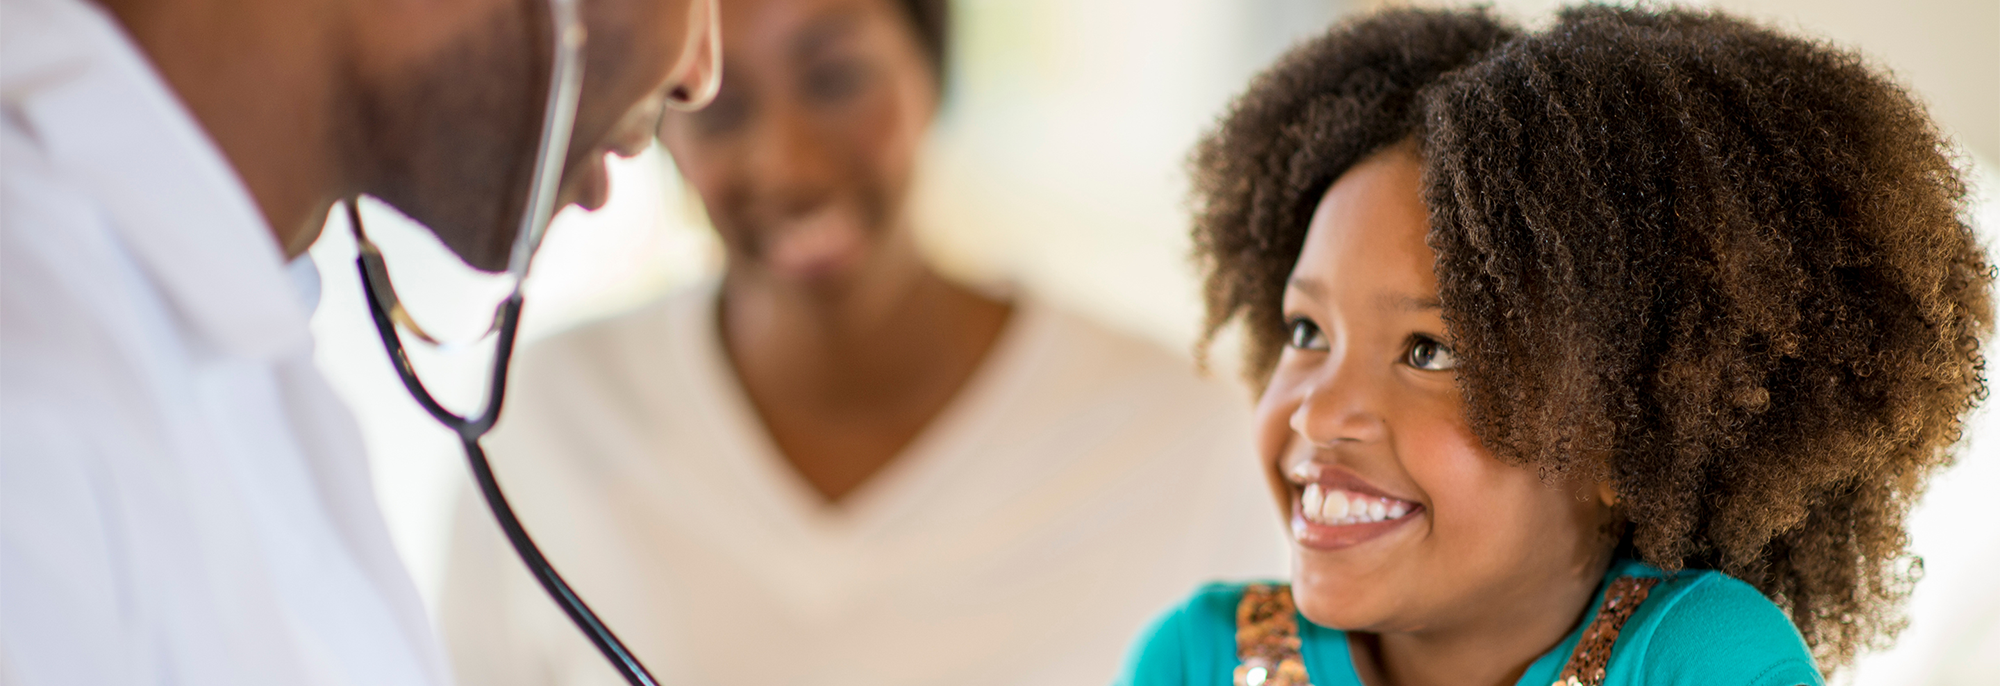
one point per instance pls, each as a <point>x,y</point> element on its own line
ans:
<point>698,76</point>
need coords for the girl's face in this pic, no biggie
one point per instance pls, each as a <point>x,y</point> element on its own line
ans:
<point>1401,521</point>
<point>805,158</point>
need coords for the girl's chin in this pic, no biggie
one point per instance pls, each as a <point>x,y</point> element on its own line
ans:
<point>1354,607</point>
<point>1339,592</point>
<point>1333,610</point>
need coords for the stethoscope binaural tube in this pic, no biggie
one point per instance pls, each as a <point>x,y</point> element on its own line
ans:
<point>386,310</point>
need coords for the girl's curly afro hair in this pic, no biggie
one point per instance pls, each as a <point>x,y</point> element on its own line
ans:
<point>1722,268</point>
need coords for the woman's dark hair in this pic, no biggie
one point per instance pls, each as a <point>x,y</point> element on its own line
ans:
<point>1722,268</point>
<point>931,22</point>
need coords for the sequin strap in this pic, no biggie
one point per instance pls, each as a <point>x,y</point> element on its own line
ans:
<point>1267,635</point>
<point>1586,665</point>
<point>1267,638</point>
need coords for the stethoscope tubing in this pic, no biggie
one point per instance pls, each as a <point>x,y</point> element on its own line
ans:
<point>385,309</point>
<point>565,81</point>
<point>469,431</point>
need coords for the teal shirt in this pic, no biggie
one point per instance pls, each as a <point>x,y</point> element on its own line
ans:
<point>1696,627</point>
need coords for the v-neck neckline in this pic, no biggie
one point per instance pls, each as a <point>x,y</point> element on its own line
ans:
<point>900,484</point>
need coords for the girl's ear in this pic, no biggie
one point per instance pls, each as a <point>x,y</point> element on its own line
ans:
<point>1614,526</point>
<point>1606,494</point>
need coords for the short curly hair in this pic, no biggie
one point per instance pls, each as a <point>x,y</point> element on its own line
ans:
<point>1725,269</point>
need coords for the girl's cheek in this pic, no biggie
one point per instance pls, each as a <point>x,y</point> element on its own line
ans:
<point>1489,512</point>
<point>1455,472</point>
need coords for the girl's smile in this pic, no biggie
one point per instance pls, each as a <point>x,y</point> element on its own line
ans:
<point>1332,508</point>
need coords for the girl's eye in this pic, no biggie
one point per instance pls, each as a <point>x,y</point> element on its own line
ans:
<point>1428,354</point>
<point>1306,335</point>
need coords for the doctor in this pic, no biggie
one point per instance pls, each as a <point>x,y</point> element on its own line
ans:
<point>182,498</point>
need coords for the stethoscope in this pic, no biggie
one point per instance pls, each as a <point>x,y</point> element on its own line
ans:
<point>565,83</point>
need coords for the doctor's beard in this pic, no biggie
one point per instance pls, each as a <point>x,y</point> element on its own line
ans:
<point>451,143</point>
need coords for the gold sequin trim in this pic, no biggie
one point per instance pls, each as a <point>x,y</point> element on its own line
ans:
<point>1593,653</point>
<point>1267,638</point>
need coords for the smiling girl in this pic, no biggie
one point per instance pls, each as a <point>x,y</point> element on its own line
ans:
<point>1613,353</point>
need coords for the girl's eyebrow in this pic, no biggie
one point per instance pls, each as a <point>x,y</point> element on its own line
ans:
<point>1400,302</point>
<point>1309,286</point>
<point>1406,303</point>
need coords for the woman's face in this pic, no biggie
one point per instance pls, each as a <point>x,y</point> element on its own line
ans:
<point>804,160</point>
<point>1401,521</point>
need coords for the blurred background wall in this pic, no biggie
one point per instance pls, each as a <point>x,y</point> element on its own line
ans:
<point>1057,167</point>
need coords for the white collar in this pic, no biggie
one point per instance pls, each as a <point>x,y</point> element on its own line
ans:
<point>105,118</point>
<point>305,280</point>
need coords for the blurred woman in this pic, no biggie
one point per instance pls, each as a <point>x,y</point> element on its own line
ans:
<point>836,465</point>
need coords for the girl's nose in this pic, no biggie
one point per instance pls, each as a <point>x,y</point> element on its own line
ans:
<point>1339,407</point>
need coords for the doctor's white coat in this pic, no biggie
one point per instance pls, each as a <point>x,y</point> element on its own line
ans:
<point>183,500</point>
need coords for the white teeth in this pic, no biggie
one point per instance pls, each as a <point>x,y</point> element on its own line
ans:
<point>1336,507</point>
